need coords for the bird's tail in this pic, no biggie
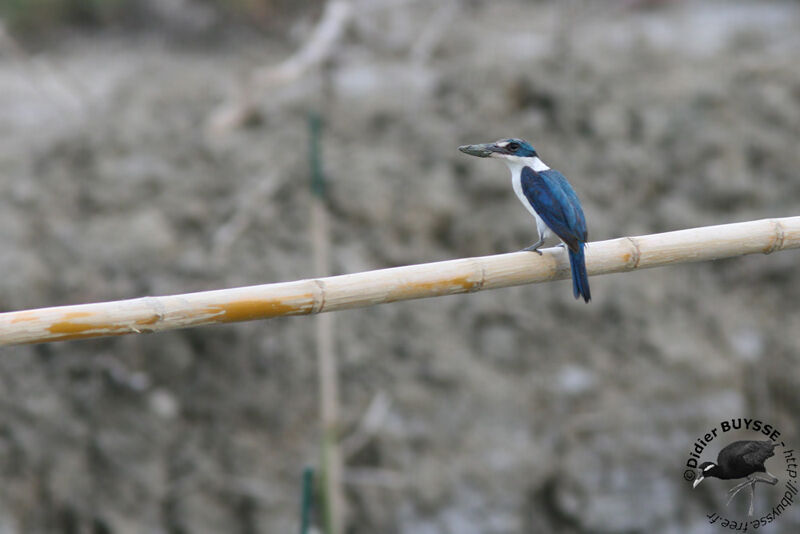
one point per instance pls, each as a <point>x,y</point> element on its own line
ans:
<point>580,280</point>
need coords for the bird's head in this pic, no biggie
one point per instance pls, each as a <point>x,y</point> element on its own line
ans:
<point>504,148</point>
<point>707,469</point>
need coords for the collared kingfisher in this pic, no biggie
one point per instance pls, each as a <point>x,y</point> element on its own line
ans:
<point>548,197</point>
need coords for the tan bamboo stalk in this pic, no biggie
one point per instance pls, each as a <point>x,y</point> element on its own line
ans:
<point>327,366</point>
<point>328,382</point>
<point>302,297</point>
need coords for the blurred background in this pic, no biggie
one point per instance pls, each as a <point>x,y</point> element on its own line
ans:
<point>161,146</point>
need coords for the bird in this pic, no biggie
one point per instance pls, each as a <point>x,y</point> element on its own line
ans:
<point>740,459</point>
<point>549,197</point>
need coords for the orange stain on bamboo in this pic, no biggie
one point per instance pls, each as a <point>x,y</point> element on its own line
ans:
<point>88,335</point>
<point>24,317</point>
<point>150,320</point>
<point>247,310</point>
<point>459,284</point>
<point>33,316</point>
<point>73,328</point>
<point>70,328</point>
<point>243,310</point>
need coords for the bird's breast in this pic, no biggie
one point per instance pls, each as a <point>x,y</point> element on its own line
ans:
<point>516,183</point>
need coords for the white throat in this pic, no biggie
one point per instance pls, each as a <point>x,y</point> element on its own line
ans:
<point>515,164</point>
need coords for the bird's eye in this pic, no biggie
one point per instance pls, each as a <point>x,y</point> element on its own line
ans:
<point>513,147</point>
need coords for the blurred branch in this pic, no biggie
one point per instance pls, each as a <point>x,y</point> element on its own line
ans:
<point>40,70</point>
<point>321,46</point>
<point>426,43</point>
<point>253,200</point>
<point>370,424</point>
<point>467,275</point>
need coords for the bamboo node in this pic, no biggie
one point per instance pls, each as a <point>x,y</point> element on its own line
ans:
<point>319,296</point>
<point>478,267</point>
<point>777,241</point>
<point>158,309</point>
<point>636,256</point>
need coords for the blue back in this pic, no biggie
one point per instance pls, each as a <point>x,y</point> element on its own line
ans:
<point>557,204</point>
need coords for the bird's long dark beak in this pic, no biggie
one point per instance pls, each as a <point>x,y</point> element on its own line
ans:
<point>697,481</point>
<point>482,151</point>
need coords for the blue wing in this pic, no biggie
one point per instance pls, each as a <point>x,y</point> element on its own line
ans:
<point>557,204</point>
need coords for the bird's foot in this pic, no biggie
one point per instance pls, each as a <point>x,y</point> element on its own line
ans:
<point>535,247</point>
<point>532,248</point>
<point>751,481</point>
<point>737,488</point>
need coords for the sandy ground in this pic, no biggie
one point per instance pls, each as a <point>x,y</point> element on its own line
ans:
<point>516,410</point>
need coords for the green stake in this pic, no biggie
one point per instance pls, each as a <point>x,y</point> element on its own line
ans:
<point>306,500</point>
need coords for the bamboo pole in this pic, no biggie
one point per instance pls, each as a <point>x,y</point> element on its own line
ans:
<point>303,297</point>
<point>332,466</point>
